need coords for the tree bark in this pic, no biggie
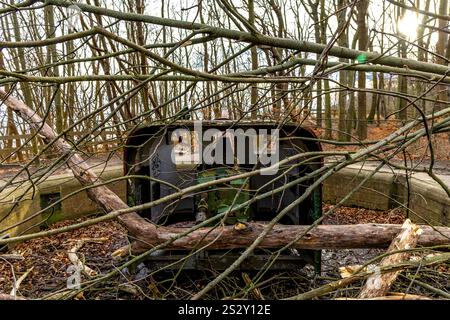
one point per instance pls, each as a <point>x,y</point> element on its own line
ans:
<point>402,80</point>
<point>343,75</point>
<point>254,58</point>
<point>440,49</point>
<point>362,45</point>
<point>321,237</point>
<point>335,285</point>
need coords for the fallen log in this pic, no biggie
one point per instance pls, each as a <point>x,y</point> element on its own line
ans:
<point>320,237</point>
<point>378,284</point>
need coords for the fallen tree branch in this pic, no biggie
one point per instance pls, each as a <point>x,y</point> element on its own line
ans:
<point>11,256</point>
<point>73,257</point>
<point>434,258</point>
<point>338,284</point>
<point>321,237</point>
<point>148,235</point>
<point>17,283</point>
<point>378,284</point>
<point>438,291</point>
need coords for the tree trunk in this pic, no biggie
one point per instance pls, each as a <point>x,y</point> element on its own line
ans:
<point>402,80</point>
<point>362,45</point>
<point>326,83</point>
<point>11,126</point>
<point>318,38</point>
<point>20,64</point>
<point>343,77</point>
<point>280,88</point>
<point>207,85</point>
<point>440,48</point>
<point>52,57</point>
<point>421,55</point>
<point>254,58</point>
<point>140,37</point>
<point>351,112</point>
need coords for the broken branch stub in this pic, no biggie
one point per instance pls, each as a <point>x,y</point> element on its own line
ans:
<point>378,284</point>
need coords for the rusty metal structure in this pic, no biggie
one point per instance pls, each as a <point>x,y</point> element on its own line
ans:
<point>173,156</point>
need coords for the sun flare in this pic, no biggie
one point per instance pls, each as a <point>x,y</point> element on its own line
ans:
<point>408,25</point>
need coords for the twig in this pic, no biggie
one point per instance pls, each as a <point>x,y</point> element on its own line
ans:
<point>12,257</point>
<point>73,257</point>
<point>255,291</point>
<point>17,283</point>
<point>431,288</point>
<point>334,285</point>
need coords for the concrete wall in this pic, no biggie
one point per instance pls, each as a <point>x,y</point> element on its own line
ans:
<point>375,193</point>
<point>62,185</point>
<point>13,210</point>
<point>79,204</point>
<point>385,190</point>
<point>428,201</point>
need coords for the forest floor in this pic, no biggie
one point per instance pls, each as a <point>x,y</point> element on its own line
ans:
<point>47,261</point>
